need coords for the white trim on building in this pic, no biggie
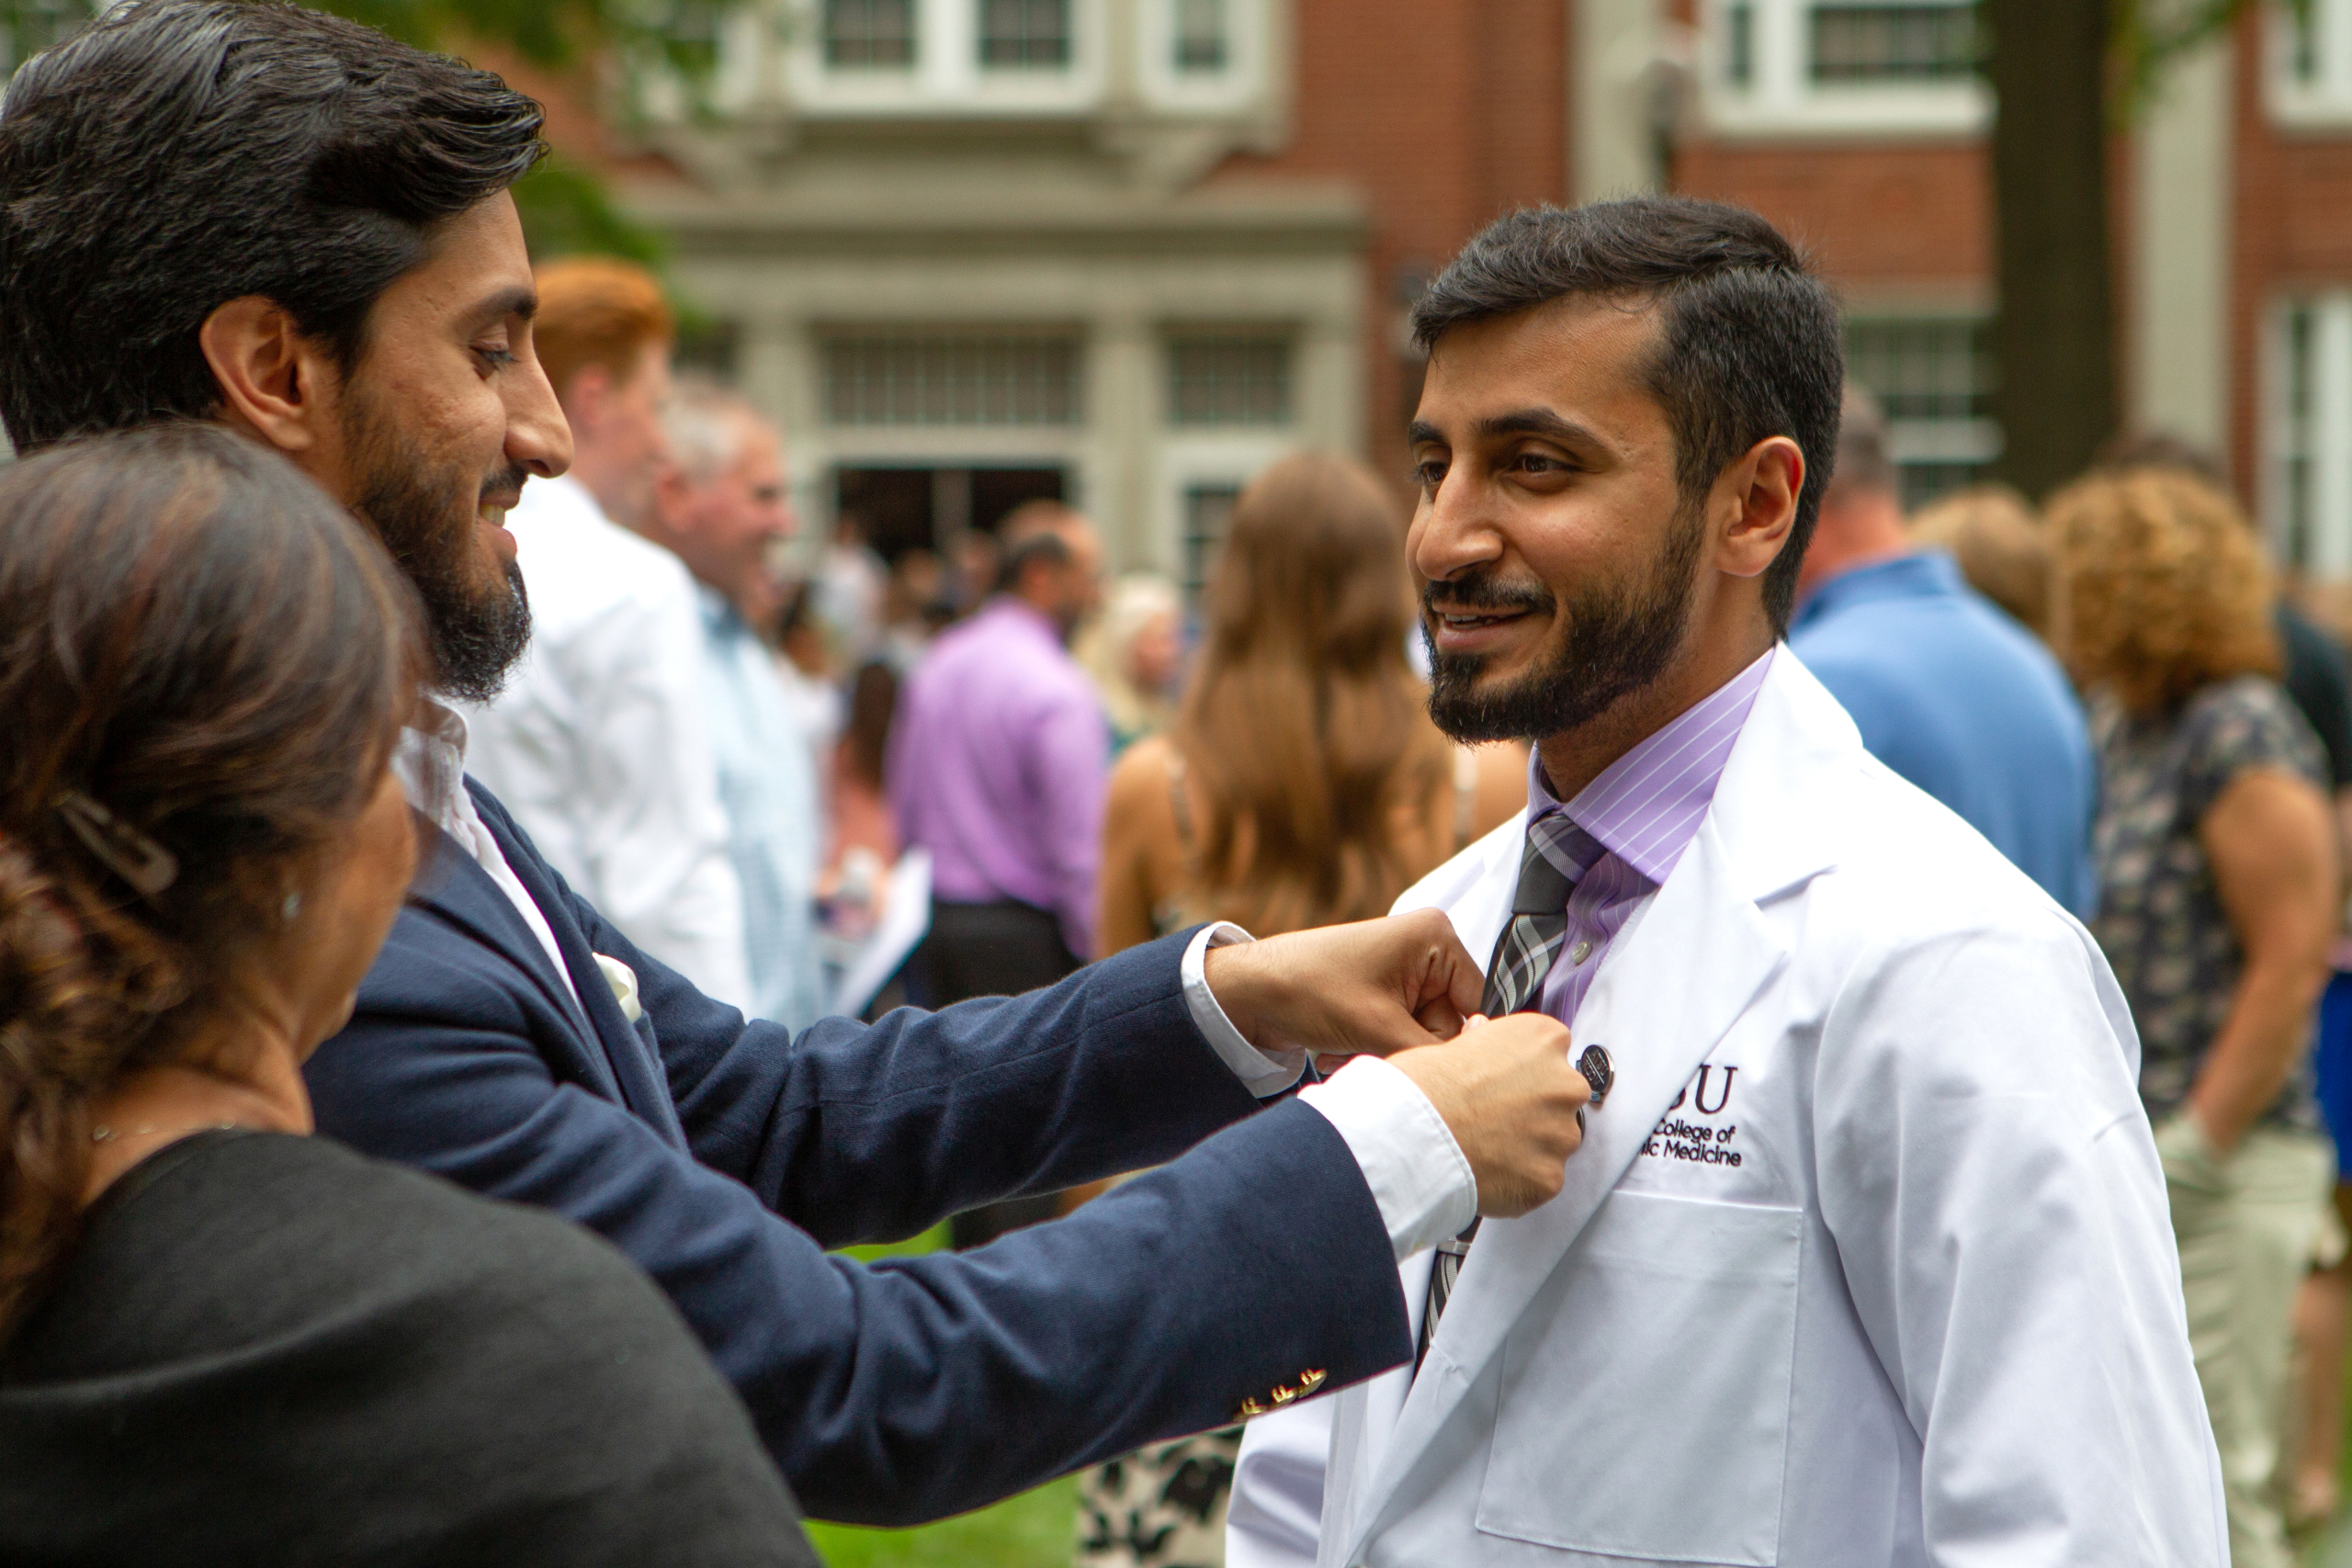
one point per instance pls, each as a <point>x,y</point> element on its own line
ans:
<point>2307,68</point>
<point>2306,434</point>
<point>1835,68</point>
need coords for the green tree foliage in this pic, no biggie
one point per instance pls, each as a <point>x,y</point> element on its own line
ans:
<point>565,208</point>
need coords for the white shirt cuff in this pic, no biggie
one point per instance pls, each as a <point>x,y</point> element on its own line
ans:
<point>1262,1072</point>
<point>1416,1171</point>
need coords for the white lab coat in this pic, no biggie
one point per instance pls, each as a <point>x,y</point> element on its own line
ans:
<point>1866,1260</point>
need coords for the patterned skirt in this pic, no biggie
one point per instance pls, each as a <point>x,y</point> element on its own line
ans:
<point>1160,1508</point>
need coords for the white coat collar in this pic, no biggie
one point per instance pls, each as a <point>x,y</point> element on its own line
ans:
<point>1698,954</point>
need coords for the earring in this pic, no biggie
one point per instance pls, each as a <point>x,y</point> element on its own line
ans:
<point>292,909</point>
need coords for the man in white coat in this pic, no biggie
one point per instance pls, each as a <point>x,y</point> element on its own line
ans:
<point>1864,1259</point>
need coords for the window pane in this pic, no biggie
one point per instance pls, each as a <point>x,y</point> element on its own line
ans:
<point>1229,380</point>
<point>1207,508</point>
<point>1200,34</point>
<point>870,33</point>
<point>951,378</point>
<point>1923,368</point>
<point>1894,43</point>
<point>1933,379</point>
<point>1739,45</point>
<point>2301,368</point>
<point>1024,32</point>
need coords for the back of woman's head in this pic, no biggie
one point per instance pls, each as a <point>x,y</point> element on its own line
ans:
<point>1305,724</point>
<point>203,665</point>
<point>2160,586</point>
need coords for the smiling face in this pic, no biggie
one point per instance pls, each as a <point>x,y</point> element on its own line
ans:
<point>1569,579</point>
<point>434,433</point>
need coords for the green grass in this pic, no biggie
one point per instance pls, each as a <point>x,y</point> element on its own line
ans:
<point>1032,1530</point>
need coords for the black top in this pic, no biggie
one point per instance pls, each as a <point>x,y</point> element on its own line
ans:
<point>271,1349</point>
<point>2319,679</point>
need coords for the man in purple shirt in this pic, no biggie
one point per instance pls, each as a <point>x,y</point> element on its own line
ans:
<point>997,766</point>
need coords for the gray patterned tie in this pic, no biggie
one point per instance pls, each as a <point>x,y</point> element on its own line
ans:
<point>1558,856</point>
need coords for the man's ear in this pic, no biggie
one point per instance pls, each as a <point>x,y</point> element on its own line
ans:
<point>1763,483</point>
<point>274,381</point>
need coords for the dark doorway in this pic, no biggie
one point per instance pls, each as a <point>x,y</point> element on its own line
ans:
<point>925,509</point>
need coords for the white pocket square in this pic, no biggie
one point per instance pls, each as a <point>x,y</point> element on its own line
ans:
<point>623,980</point>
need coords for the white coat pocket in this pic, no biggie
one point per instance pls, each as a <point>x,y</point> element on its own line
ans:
<point>1646,1390</point>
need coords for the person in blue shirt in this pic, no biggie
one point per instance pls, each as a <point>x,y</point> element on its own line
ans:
<point>1947,690</point>
<point>723,508</point>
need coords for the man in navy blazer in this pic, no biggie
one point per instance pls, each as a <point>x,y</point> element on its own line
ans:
<point>291,224</point>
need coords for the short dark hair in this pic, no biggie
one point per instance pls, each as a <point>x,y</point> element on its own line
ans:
<point>177,154</point>
<point>1045,548</point>
<point>1749,345</point>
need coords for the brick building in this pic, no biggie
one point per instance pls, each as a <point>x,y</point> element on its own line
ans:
<point>1127,250</point>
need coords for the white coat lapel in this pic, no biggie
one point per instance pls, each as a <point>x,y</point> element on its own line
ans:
<point>1474,889</point>
<point>1667,992</point>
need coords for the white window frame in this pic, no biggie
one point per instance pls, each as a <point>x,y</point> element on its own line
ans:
<point>1232,86</point>
<point>948,78</point>
<point>1175,334</point>
<point>1782,98</point>
<point>1207,459</point>
<point>2320,435</point>
<point>1914,441</point>
<point>2326,101</point>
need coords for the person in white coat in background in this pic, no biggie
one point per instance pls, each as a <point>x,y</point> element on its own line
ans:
<point>1864,1259</point>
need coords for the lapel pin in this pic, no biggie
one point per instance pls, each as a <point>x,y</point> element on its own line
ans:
<point>1598,1072</point>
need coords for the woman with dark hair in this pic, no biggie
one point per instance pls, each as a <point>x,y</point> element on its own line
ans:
<point>221,1341</point>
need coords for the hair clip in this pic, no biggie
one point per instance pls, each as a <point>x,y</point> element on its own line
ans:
<point>130,854</point>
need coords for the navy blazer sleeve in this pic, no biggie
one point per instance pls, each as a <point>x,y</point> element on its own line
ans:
<point>918,1387</point>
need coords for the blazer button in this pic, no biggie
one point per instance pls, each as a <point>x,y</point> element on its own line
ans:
<point>1280,1394</point>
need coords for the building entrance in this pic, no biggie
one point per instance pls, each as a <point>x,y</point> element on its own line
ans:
<point>910,507</point>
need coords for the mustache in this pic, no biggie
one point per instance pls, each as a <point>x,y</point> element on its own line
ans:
<point>1482,594</point>
<point>504,488</point>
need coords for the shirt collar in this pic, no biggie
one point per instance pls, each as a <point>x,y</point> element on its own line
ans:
<point>430,761</point>
<point>1645,807</point>
<point>719,613</point>
<point>1005,609</point>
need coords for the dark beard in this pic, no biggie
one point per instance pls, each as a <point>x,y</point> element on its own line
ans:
<point>425,515</point>
<point>1611,643</point>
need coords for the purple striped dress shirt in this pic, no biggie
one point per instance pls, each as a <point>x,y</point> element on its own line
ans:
<point>1643,810</point>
